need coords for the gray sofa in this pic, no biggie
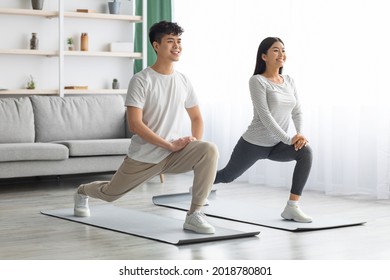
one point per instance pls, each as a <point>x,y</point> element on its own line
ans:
<point>46,135</point>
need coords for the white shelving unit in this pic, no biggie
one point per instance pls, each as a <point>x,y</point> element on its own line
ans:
<point>106,54</point>
<point>30,91</point>
<point>29,12</point>
<point>61,53</point>
<point>95,91</point>
<point>29,52</point>
<point>103,16</point>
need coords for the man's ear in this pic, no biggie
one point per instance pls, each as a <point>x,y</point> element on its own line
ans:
<point>155,46</point>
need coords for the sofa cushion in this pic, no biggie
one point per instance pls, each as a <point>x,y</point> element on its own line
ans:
<point>16,120</point>
<point>78,117</point>
<point>33,151</point>
<point>97,147</point>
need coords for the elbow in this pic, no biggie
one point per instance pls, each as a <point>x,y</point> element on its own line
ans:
<point>133,127</point>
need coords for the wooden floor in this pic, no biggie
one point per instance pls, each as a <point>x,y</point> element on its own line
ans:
<point>26,234</point>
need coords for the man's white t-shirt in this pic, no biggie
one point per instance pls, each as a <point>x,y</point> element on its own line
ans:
<point>163,100</point>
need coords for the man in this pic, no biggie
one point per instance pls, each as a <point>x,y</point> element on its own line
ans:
<point>156,101</point>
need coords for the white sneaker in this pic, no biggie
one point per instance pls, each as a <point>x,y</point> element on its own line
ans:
<point>81,208</point>
<point>294,213</point>
<point>197,222</point>
<point>206,202</point>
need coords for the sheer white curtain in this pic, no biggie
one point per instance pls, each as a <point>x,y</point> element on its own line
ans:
<point>337,52</point>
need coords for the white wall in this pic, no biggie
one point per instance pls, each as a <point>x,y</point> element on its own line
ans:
<point>337,52</point>
<point>96,72</point>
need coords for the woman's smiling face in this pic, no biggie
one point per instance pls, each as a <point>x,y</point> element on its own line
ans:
<point>276,55</point>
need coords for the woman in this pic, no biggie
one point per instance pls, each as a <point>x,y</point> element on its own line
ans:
<point>275,102</point>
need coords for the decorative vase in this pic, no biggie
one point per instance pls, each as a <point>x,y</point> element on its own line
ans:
<point>37,4</point>
<point>34,41</point>
<point>115,85</point>
<point>84,42</point>
<point>114,7</point>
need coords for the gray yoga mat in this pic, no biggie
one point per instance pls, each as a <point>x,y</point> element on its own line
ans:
<point>155,227</point>
<point>253,213</point>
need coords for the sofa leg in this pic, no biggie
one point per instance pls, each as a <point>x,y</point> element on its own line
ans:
<point>162,178</point>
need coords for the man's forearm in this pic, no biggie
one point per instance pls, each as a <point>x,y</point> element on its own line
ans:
<point>149,136</point>
<point>197,129</point>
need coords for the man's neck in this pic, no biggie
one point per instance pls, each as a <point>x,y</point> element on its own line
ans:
<point>163,68</point>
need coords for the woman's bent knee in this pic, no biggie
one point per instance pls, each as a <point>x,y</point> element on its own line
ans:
<point>307,153</point>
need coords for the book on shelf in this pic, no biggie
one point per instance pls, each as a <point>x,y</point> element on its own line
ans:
<point>85,11</point>
<point>76,87</point>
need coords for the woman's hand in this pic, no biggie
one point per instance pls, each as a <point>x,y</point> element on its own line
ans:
<point>299,141</point>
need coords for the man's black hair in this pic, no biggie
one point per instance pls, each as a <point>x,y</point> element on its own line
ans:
<point>159,29</point>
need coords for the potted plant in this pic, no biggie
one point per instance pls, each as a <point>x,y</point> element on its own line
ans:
<point>31,83</point>
<point>37,4</point>
<point>114,7</point>
<point>115,84</point>
<point>69,42</point>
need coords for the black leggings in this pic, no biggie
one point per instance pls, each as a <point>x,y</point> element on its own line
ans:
<point>246,154</point>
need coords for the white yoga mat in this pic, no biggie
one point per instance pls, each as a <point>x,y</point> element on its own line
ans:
<point>252,213</point>
<point>155,227</point>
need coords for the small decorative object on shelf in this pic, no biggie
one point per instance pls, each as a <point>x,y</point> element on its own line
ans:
<point>69,42</point>
<point>114,7</point>
<point>85,11</point>
<point>34,41</point>
<point>121,47</point>
<point>37,4</point>
<point>76,87</point>
<point>115,84</point>
<point>84,42</point>
<point>31,83</point>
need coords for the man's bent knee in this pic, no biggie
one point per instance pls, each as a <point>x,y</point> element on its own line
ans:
<point>210,149</point>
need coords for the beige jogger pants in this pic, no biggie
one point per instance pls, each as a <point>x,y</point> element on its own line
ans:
<point>199,156</point>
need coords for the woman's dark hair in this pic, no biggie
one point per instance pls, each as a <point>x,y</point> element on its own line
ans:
<point>159,29</point>
<point>265,45</point>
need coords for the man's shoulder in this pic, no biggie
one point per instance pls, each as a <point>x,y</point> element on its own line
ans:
<point>144,73</point>
<point>182,76</point>
<point>177,72</point>
<point>142,77</point>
